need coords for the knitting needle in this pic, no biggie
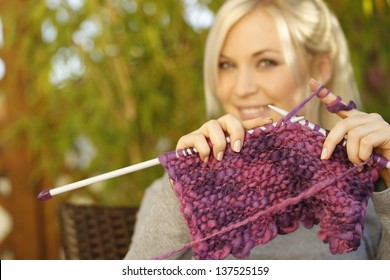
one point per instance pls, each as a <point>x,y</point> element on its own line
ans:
<point>323,131</point>
<point>49,193</point>
<point>284,113</point>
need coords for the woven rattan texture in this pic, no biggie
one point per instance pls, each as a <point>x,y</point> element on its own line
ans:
<point>90,232</point>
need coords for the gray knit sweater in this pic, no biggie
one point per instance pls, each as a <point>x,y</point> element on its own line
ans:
<point>160,228</point>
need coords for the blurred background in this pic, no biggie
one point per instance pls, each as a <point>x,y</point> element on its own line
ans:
<point>87,87</point>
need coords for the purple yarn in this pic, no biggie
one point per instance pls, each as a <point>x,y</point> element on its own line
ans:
<point>274,184</point>
<point>338,105</point>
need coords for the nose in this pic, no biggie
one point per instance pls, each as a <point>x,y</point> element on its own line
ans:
<point>245,82</point>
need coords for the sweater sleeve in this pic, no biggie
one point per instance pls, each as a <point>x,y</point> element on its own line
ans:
<point>159,228</point>
<point>381,199</point>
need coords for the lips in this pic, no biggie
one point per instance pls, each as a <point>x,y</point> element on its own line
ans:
<point>254,112</point>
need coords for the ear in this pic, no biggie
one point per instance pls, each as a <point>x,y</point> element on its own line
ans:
<point>322,67</point>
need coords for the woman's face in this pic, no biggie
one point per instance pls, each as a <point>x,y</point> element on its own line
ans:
<point>253,72</point>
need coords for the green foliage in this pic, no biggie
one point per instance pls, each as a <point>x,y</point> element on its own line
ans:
<point>140,89</point>
<point>366,24</point>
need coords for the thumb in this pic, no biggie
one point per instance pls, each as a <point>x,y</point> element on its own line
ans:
<point>260,121</point>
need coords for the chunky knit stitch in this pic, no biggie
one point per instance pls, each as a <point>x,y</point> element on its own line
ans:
<point>274,184</point>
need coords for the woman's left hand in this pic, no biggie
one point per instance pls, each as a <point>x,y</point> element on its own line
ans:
<point>366,133</point>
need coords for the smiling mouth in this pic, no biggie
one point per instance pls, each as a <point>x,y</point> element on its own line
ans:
<point>254,110</point>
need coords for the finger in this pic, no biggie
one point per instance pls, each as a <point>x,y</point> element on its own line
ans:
<point>234,129</point>
<point>338,133</point>
<point>353,144</point>
<point>214,131</point>
<point>377,137</point>
<point>367,137</point>
<point>257,122</point>
<point>327,97</point>
<point>356,128</point>
<point>198,141</point>
<point>367,146</point>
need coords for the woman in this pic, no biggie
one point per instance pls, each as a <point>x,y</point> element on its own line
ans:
<point>260,53</point>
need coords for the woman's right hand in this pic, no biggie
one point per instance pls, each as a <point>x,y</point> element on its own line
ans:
<point>216,132</point>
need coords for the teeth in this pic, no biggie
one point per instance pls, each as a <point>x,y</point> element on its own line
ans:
<point>256,110</point>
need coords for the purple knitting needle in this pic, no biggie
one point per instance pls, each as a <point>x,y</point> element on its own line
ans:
<point>314,127</point>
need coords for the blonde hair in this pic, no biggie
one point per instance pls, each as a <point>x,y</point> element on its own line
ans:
<point>307,26</point>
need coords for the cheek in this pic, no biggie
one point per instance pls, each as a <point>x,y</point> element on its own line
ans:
<point>287,91</point>
<point>224,89</point>
<point>291,95</point>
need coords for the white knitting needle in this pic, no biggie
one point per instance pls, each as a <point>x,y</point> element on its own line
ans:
<point>49,193</point>
<point>321,130</point>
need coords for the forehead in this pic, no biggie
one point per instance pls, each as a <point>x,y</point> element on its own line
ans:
<point>254,32</point>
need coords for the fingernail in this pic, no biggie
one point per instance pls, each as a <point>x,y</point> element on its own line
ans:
<point>206,160</point>
<point>220,155</point>
<point>237,146</point>
<point>359,168</point>
<point>324,153</point>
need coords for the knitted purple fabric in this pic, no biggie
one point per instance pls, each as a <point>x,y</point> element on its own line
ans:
<point>275,183</point>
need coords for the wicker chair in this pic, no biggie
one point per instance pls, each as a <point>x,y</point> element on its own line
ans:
<point>90,232</point>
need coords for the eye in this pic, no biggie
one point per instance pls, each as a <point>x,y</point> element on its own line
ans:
<point>267,63</point>
<point>225,65</point>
